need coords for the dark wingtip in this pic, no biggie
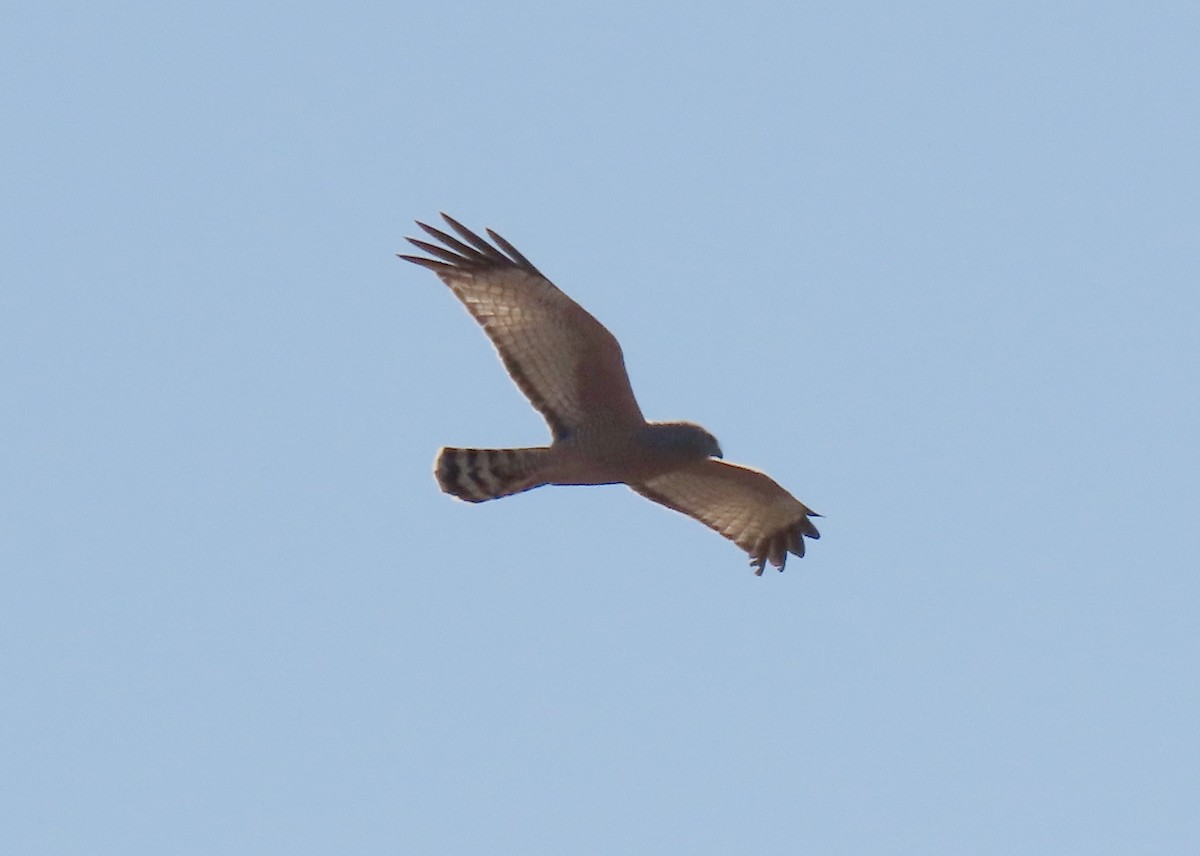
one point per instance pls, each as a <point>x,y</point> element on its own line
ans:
<point>512,251</point>
<point>775,549</point>
<point>437,267</point>
<point>455,225</point>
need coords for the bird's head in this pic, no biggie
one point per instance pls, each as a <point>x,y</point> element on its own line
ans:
<point>685,438</point>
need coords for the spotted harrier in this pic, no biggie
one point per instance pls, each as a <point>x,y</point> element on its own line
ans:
<point>571,369</point>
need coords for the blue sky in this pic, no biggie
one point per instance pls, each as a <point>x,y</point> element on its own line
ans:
<point>934,266</point>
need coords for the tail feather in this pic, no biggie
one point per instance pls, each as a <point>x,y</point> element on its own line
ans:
<point>477,475</point>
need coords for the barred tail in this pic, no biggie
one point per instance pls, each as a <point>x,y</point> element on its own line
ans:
<point>477,475</point>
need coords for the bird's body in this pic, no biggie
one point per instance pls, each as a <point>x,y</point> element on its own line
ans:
<point>572,370</point>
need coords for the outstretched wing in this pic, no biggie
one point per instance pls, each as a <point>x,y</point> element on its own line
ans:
<point>744,505</point>
<point>565,361</point>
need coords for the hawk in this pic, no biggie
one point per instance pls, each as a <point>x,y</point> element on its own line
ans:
<point>571,369</point>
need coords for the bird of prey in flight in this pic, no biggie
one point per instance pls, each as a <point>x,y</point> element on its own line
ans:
<point>571,369</point>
